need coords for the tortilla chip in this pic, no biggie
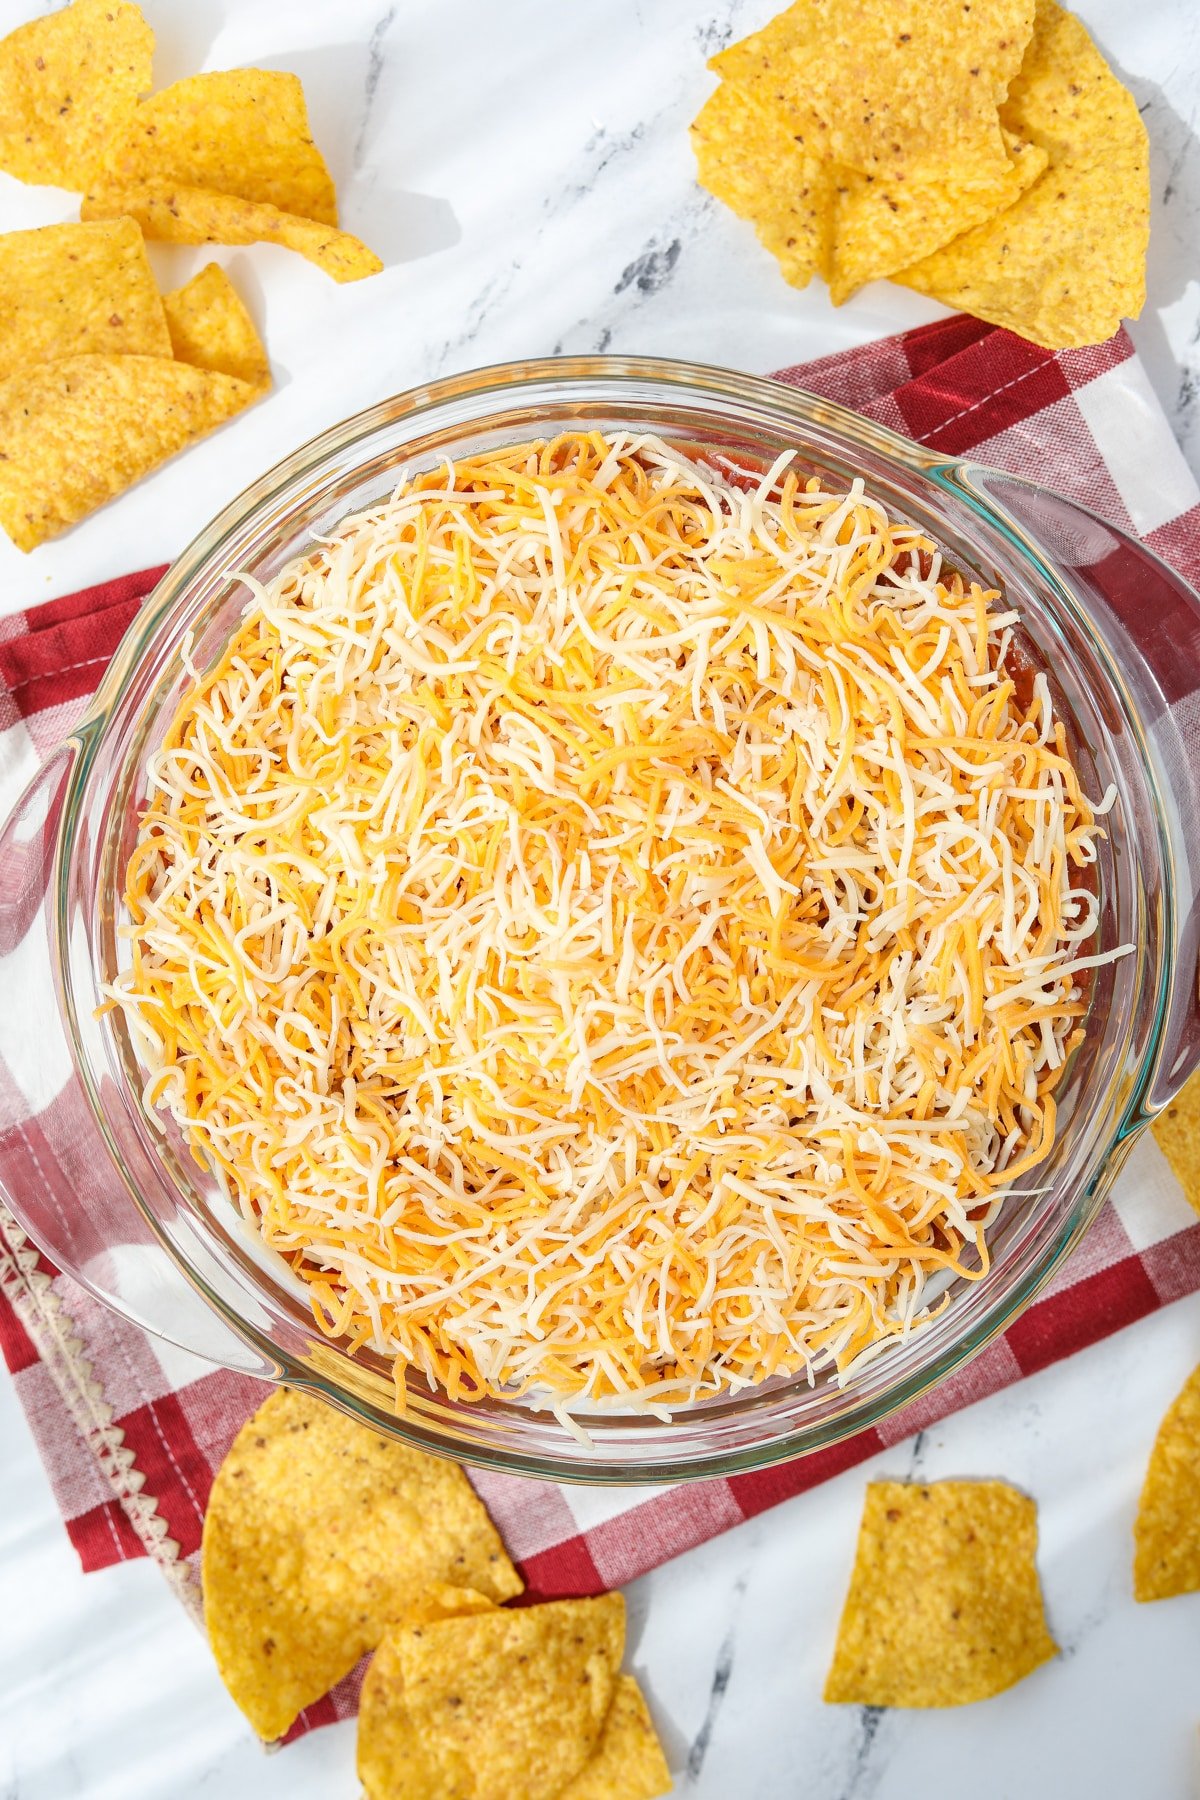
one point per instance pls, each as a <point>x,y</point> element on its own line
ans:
<point>502,1703</point>
<point>387,1753</point>
<point>78,290</point>
<point>193,215</point>
<point>944,1605</point>
<point>81,430</point>
<point>1067,99</point>
<point>393,1764</point>
<point>1067,262</point>
<point>1166,1533</point>
<point>1177,1129</point>
<point>881,225</point>
<point>319,1534</point>
<point>211,329</point>
<point>240,131</point>
<point>68,84</point>
<point>890,87</point>
<point>629,1763</point>
<point>747,159</point>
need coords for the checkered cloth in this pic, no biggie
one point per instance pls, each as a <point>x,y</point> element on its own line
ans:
<point>131,1430</point>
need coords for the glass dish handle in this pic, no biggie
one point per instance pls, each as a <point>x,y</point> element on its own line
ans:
<point>1149,617</point>
<point>57,1175</point>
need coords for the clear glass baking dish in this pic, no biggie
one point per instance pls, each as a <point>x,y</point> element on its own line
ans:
<point>111,1192</point>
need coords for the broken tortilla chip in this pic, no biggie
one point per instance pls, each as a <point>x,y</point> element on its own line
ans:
<point>1177,1133</point>
<point>1067,261</point>
<point>69,83</point>
<point>81,430</point>
<point>748,160</point>
<point>881,225</point>
<point>1166,1532</point>
<point>502,1703</point>
<point>944,1605</point>
<point>629,1763</point>
<point>238,131</point>
<point>900,87</point>
<point>193,215</point>
<point>319,1534</point>
<point>78,290</point>
<point>211,328</point>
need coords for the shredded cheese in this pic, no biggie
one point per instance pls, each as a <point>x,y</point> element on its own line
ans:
<point>615,929</point>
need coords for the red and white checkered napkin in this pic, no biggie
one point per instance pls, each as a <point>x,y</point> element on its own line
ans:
<point>131,1430</point>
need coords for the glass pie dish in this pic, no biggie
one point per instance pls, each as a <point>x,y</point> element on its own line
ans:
<point>110,1190</point>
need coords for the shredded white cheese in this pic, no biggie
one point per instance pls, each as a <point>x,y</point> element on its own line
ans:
<point>615,930</point>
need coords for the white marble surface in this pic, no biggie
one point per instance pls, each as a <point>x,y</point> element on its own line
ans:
<point>524,171</point>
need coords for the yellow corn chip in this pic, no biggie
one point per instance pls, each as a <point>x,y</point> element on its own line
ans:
<point>393,1763</point>
<point>944,1605</point>
<point>1067,262</point>
<point>1166,1533</point>
<point>240,131</point>
<point>748,160</point>
<point>503,1703</point>
<point>629,1763</point>
<point>211,328</point>
<point>81,430</point>
<point>193,215</point>
<point>1067,99</point>
<point>881,225</point>
<point>897,87</point>
<point>68,83</point>
<point>78,290</point>
<point>1177,1130</point>
<point>319,1534</point>
<point>387,1752</point>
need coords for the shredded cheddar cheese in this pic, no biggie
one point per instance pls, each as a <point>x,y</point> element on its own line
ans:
<point>615,929</point>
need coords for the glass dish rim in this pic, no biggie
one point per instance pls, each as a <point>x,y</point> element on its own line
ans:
<point>506,380</point>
